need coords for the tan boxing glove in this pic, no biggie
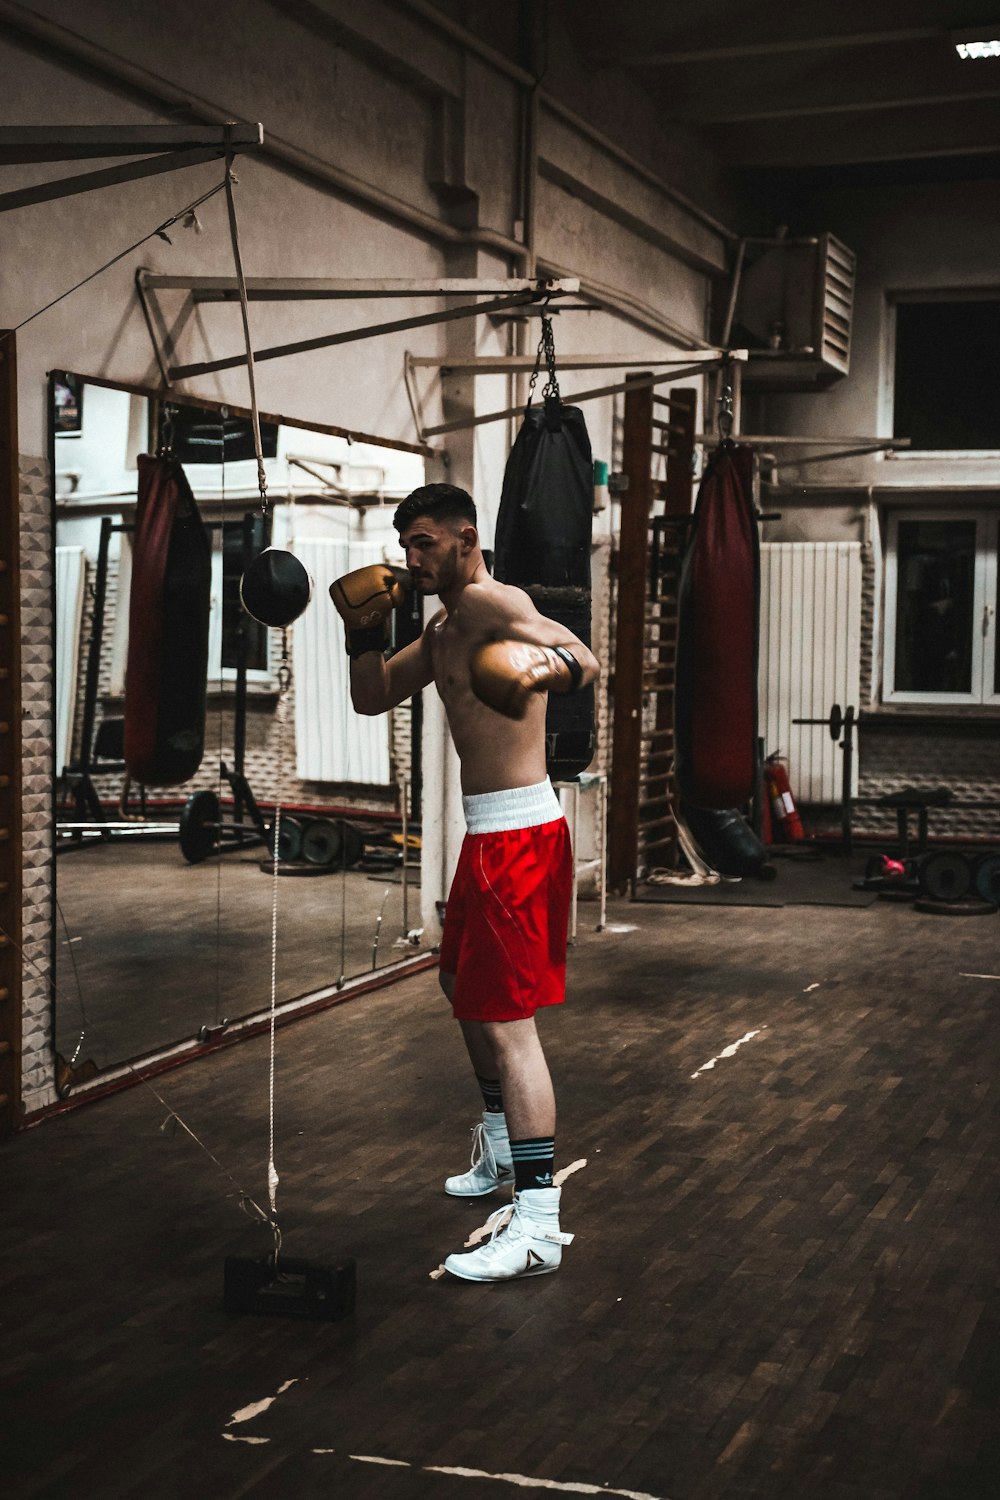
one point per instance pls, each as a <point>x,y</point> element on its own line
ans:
<point>504,674</point>
<point>365,599</point>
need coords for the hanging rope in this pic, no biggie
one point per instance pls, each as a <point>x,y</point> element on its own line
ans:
<point>160,231</point>
<point>284,682</point>
<point>247,1202</point>
<point>234,234</point>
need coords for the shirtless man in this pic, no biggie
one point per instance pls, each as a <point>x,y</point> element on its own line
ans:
<point>493,659</point>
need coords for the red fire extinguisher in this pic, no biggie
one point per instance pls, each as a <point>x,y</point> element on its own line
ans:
<point>784,814</point>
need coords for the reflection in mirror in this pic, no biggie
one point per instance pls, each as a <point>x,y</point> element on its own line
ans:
<point>165,888</point>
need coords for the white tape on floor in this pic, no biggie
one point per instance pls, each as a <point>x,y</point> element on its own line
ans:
<point>247,1413</point>
<point>728,1051</point>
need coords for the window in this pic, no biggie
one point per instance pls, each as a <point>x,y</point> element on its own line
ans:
<point>229,618</point>
<point>947,376</point>
<point>941,608</point>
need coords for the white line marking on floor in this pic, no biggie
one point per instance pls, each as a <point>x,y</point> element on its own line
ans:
<point>232,1437</point>
<point>366,1458</point>
<point>247,1413</point>
<point>728,1051</point>
<point>810,987</point>
<point>978,976</point>
<point>567,1488</point>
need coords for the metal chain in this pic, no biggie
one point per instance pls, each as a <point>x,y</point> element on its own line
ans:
<point>547,350</point>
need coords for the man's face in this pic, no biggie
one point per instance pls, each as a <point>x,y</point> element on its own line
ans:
<point>433,549</point>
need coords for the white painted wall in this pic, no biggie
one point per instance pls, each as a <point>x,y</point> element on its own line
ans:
<point>926,238</point>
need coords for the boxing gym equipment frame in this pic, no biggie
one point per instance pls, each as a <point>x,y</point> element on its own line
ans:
<point>174,146</point>
<point>505,294</point>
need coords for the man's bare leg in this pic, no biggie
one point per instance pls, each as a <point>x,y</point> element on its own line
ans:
<point>491,1164</point>
<point>477,1043</point>
<point>528,1097</point>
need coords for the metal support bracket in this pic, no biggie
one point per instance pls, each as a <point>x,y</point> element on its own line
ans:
<point>177,147</point>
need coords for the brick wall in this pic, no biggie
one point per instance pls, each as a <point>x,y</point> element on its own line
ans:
<point>37,697</point>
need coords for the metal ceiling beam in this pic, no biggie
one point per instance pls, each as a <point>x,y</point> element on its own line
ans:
<point>861,106</point>
<point>305,288</point>
<point>651,58</point>
<point>33,143</point>
<point>349,336</point>
<point>504,364</point>
<point>635,382</point>
<point>179,145</point>
<point>86,182</point>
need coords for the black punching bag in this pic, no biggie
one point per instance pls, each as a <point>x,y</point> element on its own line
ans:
<point>166,679</point>
<point>543,546</point>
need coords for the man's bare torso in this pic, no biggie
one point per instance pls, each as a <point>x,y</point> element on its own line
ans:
<point>496,753</point>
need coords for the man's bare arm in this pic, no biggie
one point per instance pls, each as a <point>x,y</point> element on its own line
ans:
<point>378,685</point>
<point>508,613</point>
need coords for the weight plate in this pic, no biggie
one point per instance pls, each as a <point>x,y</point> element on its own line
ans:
<point>199,826</point>
<point>987,877</point>
<point>353,845</point>
<point>836,722</point>
<point>969,907</point>
<point>945,876</point>
<point>289,839</point>
<point>321,842</point>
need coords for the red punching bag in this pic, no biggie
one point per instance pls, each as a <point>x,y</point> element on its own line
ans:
<point>166,678</point>
<point>715,701</point>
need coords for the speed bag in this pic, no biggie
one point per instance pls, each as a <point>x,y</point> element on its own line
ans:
<point>166,677</point>
<point>543,541</point>
<point>715,699</point>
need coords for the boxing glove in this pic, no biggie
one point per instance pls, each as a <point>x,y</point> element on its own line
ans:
<point>504,674</point>
<point>365,599</point>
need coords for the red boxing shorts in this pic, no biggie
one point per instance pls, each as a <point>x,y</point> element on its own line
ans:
<point>507,915</point>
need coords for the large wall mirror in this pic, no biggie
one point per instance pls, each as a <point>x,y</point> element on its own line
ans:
<point>164,894</point>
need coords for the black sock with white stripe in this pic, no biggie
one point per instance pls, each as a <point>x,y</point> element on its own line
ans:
<point>533,1160</point>
<point>492,1096</point>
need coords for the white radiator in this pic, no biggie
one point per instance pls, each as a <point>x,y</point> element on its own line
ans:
<point>71,573</point>
<point>332,742</point>
<point>810,656</point>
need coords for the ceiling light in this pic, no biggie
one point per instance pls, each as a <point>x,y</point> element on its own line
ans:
<point>983,41</point>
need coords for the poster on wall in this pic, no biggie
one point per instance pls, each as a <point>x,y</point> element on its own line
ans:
<point>67,403</point>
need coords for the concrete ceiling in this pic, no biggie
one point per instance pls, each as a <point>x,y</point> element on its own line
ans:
<point>863,90</point>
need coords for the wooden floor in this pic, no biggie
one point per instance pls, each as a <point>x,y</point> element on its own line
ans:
<point>784,1281</point>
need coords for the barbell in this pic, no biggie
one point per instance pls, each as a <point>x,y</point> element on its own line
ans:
<point>837,721</point>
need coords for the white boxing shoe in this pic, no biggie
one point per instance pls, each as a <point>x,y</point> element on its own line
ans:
<point>491,1167</point>
<point>525,1241</point>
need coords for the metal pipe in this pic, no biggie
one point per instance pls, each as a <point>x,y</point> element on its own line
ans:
<point>516,74</point>
<point>159,91</point>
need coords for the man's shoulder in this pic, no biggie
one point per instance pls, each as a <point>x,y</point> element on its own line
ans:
<point>489,596</point>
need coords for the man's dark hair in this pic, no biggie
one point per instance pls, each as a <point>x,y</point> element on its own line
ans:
<point>442,502</point>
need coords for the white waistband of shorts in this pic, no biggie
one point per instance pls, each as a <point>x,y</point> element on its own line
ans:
<point>517,807</point>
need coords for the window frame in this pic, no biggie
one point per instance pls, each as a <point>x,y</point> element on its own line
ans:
<point>984,610</point>
<point>887,422</point>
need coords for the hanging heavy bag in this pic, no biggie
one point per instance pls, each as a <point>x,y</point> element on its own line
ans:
<point>167,673</point>
<point>543,541</point>
<point>715,701</point>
